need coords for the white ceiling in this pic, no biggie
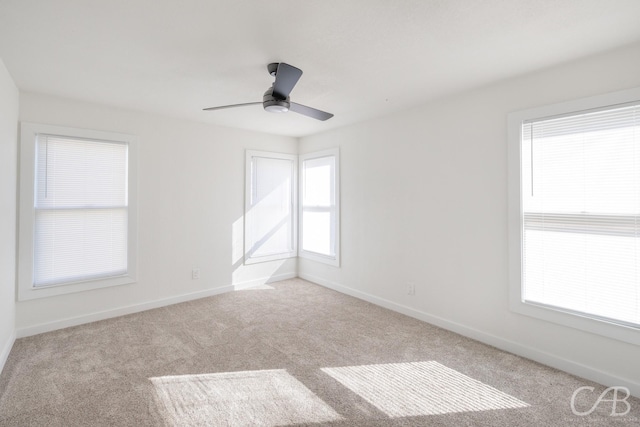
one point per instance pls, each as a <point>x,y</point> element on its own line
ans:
<point>361,58</point>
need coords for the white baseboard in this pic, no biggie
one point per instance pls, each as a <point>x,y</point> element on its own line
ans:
<point>120,311</point>
<point>548,359</point>
<point>136,308</point>
<point>4,355</point>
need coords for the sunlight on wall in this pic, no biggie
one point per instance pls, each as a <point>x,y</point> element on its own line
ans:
<point>243,276</point>
<point>237,242</point>
<point>249,398</point>
<point>420,388</point>
<point>268,238</point>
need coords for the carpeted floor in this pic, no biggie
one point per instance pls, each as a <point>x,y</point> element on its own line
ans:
<point>288,354</point>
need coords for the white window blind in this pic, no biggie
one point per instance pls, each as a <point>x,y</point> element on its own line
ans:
<point>580,178</point>
<point>270,217</point>
<point>80,224</point>
<point>319,206</point>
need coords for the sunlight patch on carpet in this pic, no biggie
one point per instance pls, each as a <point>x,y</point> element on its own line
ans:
<point>420,388</point>
<point>249,398</point>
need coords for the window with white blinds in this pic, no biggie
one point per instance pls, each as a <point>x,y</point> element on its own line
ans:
<point>319,206</point>
<point>580,213</point>
<point>76,215</point>
<point>270,217</point>
<point>80,210</point>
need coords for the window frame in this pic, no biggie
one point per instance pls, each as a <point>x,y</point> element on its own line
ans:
<point>250,154</point>
<point>26,215</point>
<point>515,120</point>
<point>325,259</point>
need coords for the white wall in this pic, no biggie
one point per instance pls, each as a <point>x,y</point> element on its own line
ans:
<point>424,199</point>
<point>190,207</point>
<point>8,165</point>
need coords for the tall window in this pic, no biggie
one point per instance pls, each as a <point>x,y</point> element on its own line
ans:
<point>580,213</point>
<point>75,212</point>
<point>319,219</point>
<point>270,217</point>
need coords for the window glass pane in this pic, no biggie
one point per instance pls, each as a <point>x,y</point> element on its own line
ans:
<point>593,172</point>
<point>317,232</point>
<point>587,273</point>
<point>318,180</point>
<point>75,173</point>
<point>77,244</point>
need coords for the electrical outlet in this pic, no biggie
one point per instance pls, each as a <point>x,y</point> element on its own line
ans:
<point>195,274</point>
<point>411,288</point>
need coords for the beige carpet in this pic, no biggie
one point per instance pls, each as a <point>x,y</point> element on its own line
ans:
<point>289,354</point>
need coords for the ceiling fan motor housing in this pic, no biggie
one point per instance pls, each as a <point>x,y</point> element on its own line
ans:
<point>274,105</point>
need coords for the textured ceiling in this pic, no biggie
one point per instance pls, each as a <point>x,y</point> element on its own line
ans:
<point>361,58</point>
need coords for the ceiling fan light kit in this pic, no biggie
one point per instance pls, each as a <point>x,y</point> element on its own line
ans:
<point>276,107</point>
<point>276,98</point>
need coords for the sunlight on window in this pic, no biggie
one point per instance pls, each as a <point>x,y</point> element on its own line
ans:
<point>249,398</point>
<point>318,175</point>
<point>581,211</point>
<point>316,233</point>
<point>318,213</point>
<point>271,222</point>
<point>420,388</point>
<point>270,200</point>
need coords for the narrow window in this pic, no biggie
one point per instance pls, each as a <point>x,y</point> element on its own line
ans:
<point>319,214</point>
<point>270,217</point>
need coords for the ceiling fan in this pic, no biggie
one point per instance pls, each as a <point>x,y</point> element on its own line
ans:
<point>276,98</point>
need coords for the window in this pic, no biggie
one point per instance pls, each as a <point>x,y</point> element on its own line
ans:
<point>319,213</point>
<point>270,217</point>
<point>575,214</point>
<point>77,210</point>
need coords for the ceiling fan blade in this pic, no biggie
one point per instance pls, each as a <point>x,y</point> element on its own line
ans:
<point>286,78</point>
<point>231,106</point>
<point>309,112</point>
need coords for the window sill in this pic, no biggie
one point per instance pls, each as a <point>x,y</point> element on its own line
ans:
<point>607,329</point>
<point>324,259</point>
<point>29,292</point>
